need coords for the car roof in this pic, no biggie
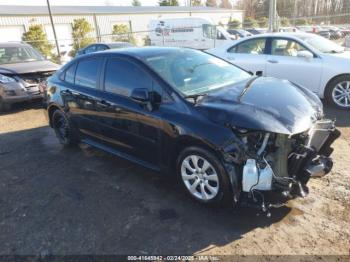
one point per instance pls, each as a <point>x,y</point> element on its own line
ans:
<point>283,34</point>
<point>13,44</point>
<point>139,52</point>
<point>117,44</point>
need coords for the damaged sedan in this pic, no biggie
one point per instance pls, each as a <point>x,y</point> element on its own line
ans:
<point>22,72</point>
<point>227,135</point>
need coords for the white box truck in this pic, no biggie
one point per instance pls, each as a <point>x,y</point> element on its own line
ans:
<point>191,32</point>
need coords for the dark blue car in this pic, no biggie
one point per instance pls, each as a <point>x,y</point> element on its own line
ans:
<point>224,132</point>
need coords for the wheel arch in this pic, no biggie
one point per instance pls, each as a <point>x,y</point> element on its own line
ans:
<point>331,80</point>
<point>188,141</point>
<point>50,110</point>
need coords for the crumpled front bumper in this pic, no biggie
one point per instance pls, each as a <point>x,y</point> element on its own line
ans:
<point>16,92</point>
<point>314,159</point>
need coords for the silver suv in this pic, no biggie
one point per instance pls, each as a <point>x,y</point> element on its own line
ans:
<point>22,69</point>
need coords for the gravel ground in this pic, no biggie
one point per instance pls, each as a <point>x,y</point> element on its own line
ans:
<point>83,201</point>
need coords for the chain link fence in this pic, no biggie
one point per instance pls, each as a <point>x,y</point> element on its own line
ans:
<point>203,37</point>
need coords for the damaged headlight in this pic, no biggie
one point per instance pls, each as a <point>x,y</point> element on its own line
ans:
<point>6,79</point>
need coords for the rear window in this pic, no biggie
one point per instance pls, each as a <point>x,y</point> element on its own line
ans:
<point>253,46</point>
<point>69,74</point>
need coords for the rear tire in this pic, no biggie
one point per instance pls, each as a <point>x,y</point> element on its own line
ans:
<point>203,176</point>
<point>337,92</point>
<point>64,130</point>
<point>4,107</point>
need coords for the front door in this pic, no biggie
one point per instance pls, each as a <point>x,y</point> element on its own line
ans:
<point>129,126</point>
<point>250,55</point>
<point>286,62</point>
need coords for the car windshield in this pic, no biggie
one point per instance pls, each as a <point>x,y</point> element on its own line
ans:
<point>322,44</point>
<point>194,72</point>
<point>18,54</point>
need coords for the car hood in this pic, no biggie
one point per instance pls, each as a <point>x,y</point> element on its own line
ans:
<point>345,54</point>
<point>28,67</point>
<point>263,103</point>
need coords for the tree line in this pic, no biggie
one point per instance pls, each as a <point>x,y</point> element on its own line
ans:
<point>306,11</point>
<point>81,37</point>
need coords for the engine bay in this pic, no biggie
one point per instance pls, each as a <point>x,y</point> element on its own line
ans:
<point>285,163</point>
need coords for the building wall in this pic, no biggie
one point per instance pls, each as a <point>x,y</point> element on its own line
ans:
<point>138,22</point>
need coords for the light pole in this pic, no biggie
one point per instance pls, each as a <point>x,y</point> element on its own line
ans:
<point>273,15</point>
<point>54,31</point>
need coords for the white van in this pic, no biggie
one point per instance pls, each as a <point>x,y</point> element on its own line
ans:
<point>192,32</point>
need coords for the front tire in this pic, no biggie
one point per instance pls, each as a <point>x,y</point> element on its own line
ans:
<point>64,129</point>
<point>203,176</point>
<point>337,92</point>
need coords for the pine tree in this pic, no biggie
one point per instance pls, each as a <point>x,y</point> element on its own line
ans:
<point>121,33</point>
<point>263,22</point>
<point>136,3</point>
<point>249,22</point>
<point>234,23</point>
<point>38,39</point>
<point>196,2</point>
<point>284,21</point>
<point>211,3</point>
<point>226,4</point>
<point>80,34</point>
<point>168,3</point>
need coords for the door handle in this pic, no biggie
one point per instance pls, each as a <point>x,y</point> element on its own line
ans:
<point>231,58</point>
<point>103,102</point>
<point>66,92</point>
<point>272,61</point>
<point>69,92</point>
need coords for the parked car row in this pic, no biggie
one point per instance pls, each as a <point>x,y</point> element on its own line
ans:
<point>329,32</point>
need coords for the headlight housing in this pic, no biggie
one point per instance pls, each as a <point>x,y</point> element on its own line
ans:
<point>6,79</point>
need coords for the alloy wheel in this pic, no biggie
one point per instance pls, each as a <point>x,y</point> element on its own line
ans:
<point>341,94</point>
<point>199,177</point>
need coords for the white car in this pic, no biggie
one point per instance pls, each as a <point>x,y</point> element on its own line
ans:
<point>305,59</point>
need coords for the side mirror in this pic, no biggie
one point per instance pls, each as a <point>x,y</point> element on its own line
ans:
<point>259,73</point>
<point>140,95</point>
<point>305,54</point>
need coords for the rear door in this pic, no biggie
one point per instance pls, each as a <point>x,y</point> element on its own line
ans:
<point>249,54</point>
<point>81,93</point>
<point>284,61</point>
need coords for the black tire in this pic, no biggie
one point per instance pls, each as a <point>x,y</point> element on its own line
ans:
<point>64,130</point>
<point>330,88</point>
<point>224,189</point>
<point>4,107</point>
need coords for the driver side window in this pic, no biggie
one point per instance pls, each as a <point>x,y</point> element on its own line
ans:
<point>253,47</point>
<point>286,47</point>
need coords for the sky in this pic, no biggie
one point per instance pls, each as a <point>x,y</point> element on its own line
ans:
<point>80,2</point>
